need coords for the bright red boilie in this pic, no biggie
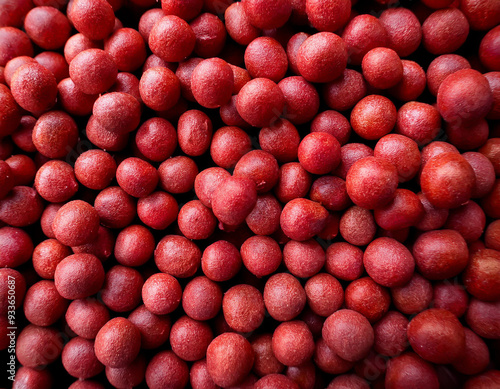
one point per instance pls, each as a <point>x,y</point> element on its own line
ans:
<point>159,88</point>
<point>260,167</point>
<point>21,207</point>
<point>403,30</point>
<point>13,43</point>
<point>281,140</point>
<point>261,255</point>
<point>418,121</point>
<point>156,139</point>
<point>407,369</point>
<point>344,261</point>
<point>238,24</point>
<point>444,31</point>
<point>137,177</point>
<point>319,153</point>
<point>301,219</point>
<point>331,192</point>
<point>413,83</point>
<point>121,291</point>
<point>73,100</point>
<point>404,211</point>
<point>344,92</point>
<point>243,308</point>
<point>78,43</point>
<point>76,223</point>
<point>202,299</point>
<point>167,367</point>
<point>303,259</point>
<point>265,57</point>
<point>132,374</point>
<point>390,334</point>
<point>127,48</point>
<point>260,102</point>
<point>441,67</point>
<point>86,317</point>
<point>357,226</point>
<point>414,297</point>
<point>328,16</point>
<point>221,261</point>
<point>265,362</point>
<point>189,338</point>
<point>373,117</point>
<point>27,377</point>
<point>469,220</point>
<point>172,39</point>
<point>93,18</point>
<point>177,174</point>
<point>482,15</point>
<point>382,68</point>
<point>47,256</point>
<point>451,297</point>
<point>322,57</point>
<point>284,297</point>
<point>32,345</point>
<point>293,343</point>
<point>47,27</point>
<point>158,210</point>
<point>482,275</point>
<point>437,336</point>
<point>488,50</point>
<point>196,221</point>
<point>93,71</point>
<point>368,298</point>
<point>210,35</point>
<point>79,359</point>
<point>55,181</point>
<point>324,294</point>
<point>265,15</point>
<point>212,82</point>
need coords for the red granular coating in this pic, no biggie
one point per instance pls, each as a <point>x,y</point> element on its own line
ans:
<point>371,182</point>
<point>476,357</point>
<point>47,27</point>
<point>76,223</point>
<point>260,102</point>
<point>450,296</point>
<point>243,308</point>
<point>260,167</point>
<point>482,317</point>
<point>303,259</point>
<point>266,15</point>
<point>212,83</point>
<point>79,276</point>
<point>402,152</point>
<point>349,154</point>
<point>93,18</point>
<point>186,10</point>
<point>441,67</point>
<point>388,262</point>
<point>261,255</point>
<point>127,48</point>
<point>464,97</point>
<point>404,211</point>
<point>437,186</point>
<point>27,377</point>
<point>234,199</point>
<point>43,305</point>
<point>403,29</point>
<point>301,100</point>
<point>437,336</point>
<point>172,39</point>
<point>22,137</point>
<point>117,343</point>
<point>167,367</point>
<point>194,131</point>
<point>10,113</point>
<point>55,181</point>
<point>202,298</point>
<point>292,48</point>
<point>221,261</point>
<point>38,346</point>
<point>333,123</point>
<point>264,219</point>
<point>95,169</point>
<point>177,174</point>
<point>328,361</point>
<point>137,177</point>
<point>488,50</point>
<point>207,181</point>
<point>265,362</point>
<point>322,57</point>
<point>210,35</point>
<point>469,220</point>
<point>21,207</point>
<point>78,43</point>
<point>344,261</point>
<point>368,298</point>
<point>54,62</point>
<point>117,111</point>
<point>13,43</point>
<point>324,294</point>
<point>132,374</point>
<point>284,297</point>
<point>134,246</point>
<point>444,31</point>
<point>328,16</point>
<point>101,247</point>
<point>158,210</point>
<point>6,275</point>
<point>382,68</point>
<point>196,221</point>
<point>55,134</point>
<point>390,334</point>
<point>161,294</point>
<point>241,77</point>
<point>319,153</point>
<point>482,15</point>
<point>363,33</point>
<point>331,192</point>
<point>47,217</point>
<point>121,291</point>
<point>229,359</point>
<point>79,360</point>
<point>482,275</point>
<point>406,369</point>
<point>93,71</point>
<point>228,145</point>
<point>373,117</point>
<point>73,100</point>
<point>154,329</point>
<point>47,256</point>
<point>293,343</point>
<point>467,136</point>
<point>412,85</point>
<point>34,88</point>
<point>414,297</point>
<point>238,24</point>
<point>189,338</point>
<point>345,91</point>
<point>265,57</point>
<point>127,83</point>
<point>85,317</point>
<point>281,140</point>
<point>15,13</point>
<point>418,121</point>
<point>301,219</point>
<point>115,207</point>
<point>156,139</point>
<point>160,88</point>
<point>293,182</point>
<point>177,256</point>
<point>491,150</point>
<point>349,334</point>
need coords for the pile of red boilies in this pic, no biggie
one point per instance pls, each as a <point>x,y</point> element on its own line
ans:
<point>255,194</point>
